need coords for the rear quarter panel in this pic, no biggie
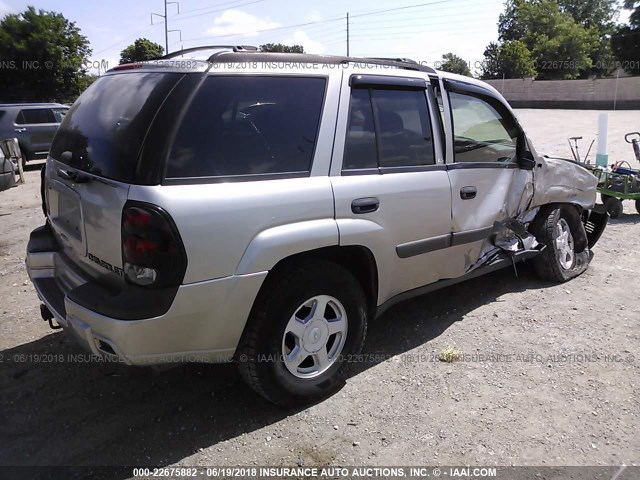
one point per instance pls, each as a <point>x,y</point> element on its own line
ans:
<point>221,223</point>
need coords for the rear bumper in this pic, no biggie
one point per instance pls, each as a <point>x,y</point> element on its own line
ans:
<point>203,323</point>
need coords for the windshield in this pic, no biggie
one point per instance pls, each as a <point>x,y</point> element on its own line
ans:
<point>105,128</point>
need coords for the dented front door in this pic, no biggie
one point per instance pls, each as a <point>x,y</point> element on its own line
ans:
<point>486,182</point>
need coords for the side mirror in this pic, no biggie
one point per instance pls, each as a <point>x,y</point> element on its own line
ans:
<point>527,161</point>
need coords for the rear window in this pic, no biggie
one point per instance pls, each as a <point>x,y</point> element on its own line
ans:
<point>105,128</point>
<point>249,125</point>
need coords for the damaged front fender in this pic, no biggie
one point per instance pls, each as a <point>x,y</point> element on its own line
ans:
<point>557,180</point>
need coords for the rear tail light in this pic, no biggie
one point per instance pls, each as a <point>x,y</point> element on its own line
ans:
<point>152,252</point>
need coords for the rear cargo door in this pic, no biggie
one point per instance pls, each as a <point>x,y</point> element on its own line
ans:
<point>92,163</point>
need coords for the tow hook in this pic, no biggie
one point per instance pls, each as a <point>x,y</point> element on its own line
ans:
<point>47,316</point>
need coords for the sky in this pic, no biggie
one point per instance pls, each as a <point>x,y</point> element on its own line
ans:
<point>419,29</point>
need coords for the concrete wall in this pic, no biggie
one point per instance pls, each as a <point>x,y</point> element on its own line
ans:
<point>578,94</point>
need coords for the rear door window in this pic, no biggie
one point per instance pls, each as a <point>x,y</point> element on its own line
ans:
<point>388,128</point>
<point>33,116</point>
<point>247,126</point>
<point>105,128</point>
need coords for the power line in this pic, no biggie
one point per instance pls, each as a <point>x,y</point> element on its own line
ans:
<point>286,27</point>
<point>179,19</point>
<point>215,7</point>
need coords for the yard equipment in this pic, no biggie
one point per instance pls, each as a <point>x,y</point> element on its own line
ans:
<point>622,182</point>
<point>576,152</point>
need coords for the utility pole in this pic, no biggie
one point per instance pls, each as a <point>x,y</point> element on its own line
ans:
<point>166,24</point>
<point>347,34</point>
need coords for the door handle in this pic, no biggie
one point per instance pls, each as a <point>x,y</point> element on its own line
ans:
<point>20,130</point>
<point>365,205</point>
<point>73,176</point>
<point>467,193</point>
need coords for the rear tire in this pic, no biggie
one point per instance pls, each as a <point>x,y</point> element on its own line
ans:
<point>566,256</point>
<point>306,323</point>
<point>604,198</point>
<point>614,207</point>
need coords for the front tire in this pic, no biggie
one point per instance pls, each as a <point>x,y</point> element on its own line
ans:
<point>566,254</point>
<point>306,323</point>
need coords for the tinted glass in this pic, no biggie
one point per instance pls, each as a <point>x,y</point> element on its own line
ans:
<point>484,130</point>
<point>1,114</point>
<point>248,125</point>
<point>59,114</point>
<point>35,115</point>
<point>405,129</point>
<point>105,127</point>
<point>360,145</point>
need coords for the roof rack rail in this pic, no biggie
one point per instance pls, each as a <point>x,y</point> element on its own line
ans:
<point>406,63</point>
<point>234,48</point>
<point>401,60</point>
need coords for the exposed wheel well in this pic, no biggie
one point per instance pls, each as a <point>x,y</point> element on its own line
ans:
<point>356,259</point>
<point>576,222</point>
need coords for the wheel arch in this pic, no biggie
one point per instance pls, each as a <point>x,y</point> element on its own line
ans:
<point>357,259</point>
<point>576,221</point>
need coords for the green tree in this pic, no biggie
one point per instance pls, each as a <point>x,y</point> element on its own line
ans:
<point>454,64</point>
<point>281,48</point>
<point>140,50</point>
<point>511,59</point>
<point>601,15</point>
<point>44,56</point>
<point>634,19</point>
<point>626,42</point>
<point>560,47</point>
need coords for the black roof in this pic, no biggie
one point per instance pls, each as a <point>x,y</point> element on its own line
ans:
<point>244,53</point>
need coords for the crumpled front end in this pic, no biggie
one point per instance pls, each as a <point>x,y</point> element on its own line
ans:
<point>557,180</point>
<point>552,181</point>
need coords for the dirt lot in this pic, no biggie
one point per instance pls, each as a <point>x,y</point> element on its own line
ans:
<point>550,374</point>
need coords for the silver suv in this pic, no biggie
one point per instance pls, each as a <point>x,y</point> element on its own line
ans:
<point>261,208</point>
<point>33,124</point>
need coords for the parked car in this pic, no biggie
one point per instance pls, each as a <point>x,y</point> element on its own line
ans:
<point>7,170</point>
<point>33,124</point>
<point>262,207</point>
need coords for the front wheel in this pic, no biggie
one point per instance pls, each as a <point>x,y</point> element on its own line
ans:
<point>306,324</point>
<point>566,254</point>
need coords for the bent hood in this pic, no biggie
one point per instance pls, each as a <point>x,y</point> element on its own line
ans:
<point>558,180</point>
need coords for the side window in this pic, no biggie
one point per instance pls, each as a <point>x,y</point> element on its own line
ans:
<point>484,129</point>
<point>59,113</point>
<point>437,93</point>
<point>34,116</point>
<point>403,137</point>
<point>360,147</point>
<point>249,125</point>
<point>404,128</point>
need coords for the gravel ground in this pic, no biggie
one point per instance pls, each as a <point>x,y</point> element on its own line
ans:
<point>549,374</point>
